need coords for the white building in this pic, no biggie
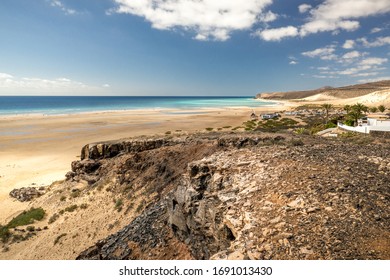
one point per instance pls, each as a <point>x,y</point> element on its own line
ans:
<point>367,125</point>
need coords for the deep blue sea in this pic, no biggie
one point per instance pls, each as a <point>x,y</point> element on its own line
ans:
<point>53,105</point>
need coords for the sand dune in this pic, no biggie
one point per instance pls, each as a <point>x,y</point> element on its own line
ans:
<point>376,98</point>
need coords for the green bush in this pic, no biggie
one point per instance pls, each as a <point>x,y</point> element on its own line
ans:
<point>4,233</point>
<point>27,217</point>
<point>118,205</point>
<point>349,122</point>
<point>71,208</point>
<point>330,125</point>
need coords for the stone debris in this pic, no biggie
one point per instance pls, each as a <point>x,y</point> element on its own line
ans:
<point>27,193</point>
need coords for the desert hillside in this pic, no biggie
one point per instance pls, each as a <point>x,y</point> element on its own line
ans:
<point>374,93</point>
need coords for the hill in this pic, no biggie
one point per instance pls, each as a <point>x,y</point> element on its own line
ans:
<point>330,93</point>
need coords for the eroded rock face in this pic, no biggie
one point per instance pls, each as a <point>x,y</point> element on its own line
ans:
<point>255,196</point>
<point>275,202</point>
<point>111,149</point>
<point>27,193</point>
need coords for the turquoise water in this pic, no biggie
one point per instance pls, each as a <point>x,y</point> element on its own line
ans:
<point>52,105</point>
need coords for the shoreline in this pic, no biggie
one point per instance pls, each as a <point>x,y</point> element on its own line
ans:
<point>38,150</point>
<point>271,103</point>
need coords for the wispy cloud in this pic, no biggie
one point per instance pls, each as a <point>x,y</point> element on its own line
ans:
<point>377,42</point>
<point>326,53</point>
<point>35,84</point>
<point>374,79</point>
<point>376,30</point>
<point>210,20</point>
<point>62,7</point>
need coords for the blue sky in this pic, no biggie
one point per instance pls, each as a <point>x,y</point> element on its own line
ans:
<point>190,47</point>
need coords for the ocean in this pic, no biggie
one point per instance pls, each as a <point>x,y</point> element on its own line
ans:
<point>55,105</point>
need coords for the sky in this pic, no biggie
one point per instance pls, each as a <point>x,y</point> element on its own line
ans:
<point>190,47</point>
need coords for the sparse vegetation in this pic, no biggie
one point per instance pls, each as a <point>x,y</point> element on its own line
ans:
<point>381,108</point>
<point>275,125</point>
<point>75,193</point>
<point>301,130</point>
<point>168,132</point>
<point>373,109</point>
<point>30,228</point>
<point>118,205</point>
<point>53,218</point>
<point>63,198</point>
<point>209,128</point>
<point>58,238</point>
<point>296,142</point>
<point>71,208</point>
<point>84,206</point>
<point>327,107</point>
<point>23,219</point>
<point>5,234</point>
<point>27,217</point>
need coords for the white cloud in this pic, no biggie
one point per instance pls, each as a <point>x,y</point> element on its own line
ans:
<point>365,74</point>
<point>62,7</point>
<point>293,62</point>
<point>323,68</point>
<point>42,85</point>
<point>321,25</point>
<point>373,61</point>
<point>4,76</point>
<point>277,34</point>
<point>374,79</point>
<point>303,8</point>
<point>342,14</point>
<point>376,30</point>
<point>351,55</point>
<point>326,53</point>
<point>268,17</point>
<point>378,42</point>
<point>349,44</point>
<point>106,86</point>
<point>336,15</point>
<point>209,19</point>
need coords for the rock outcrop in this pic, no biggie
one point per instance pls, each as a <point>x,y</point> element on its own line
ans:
<point>27,193</point>
<point>251,196</point>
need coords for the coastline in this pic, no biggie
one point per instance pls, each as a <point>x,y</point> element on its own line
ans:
<point>37,150</point>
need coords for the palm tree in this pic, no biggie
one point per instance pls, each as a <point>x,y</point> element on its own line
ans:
<point>373,109</point>
<point>358,107</point>
<point>347,108</point>
<point>355,115</point>
<point>381,108</point>
<point>327,107</point>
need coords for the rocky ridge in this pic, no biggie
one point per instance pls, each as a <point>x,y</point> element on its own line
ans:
<point>251,196</point>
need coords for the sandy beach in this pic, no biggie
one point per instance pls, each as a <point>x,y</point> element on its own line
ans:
<point>38,150</point>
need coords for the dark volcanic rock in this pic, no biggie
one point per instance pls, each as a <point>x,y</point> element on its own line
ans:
<point>26,194</point>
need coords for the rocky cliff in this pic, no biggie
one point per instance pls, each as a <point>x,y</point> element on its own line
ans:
<point>247,196</point>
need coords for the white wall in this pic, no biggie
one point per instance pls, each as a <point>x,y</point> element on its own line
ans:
<point>361,129</point>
